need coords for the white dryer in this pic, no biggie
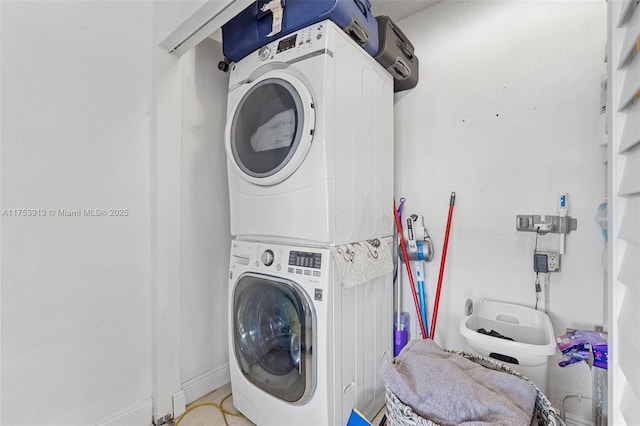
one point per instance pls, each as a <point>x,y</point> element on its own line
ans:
<point>304,350</point>
<point>309,141</point>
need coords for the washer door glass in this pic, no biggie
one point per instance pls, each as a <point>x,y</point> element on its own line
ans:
<point>272,128</point>
<point>274,335</point>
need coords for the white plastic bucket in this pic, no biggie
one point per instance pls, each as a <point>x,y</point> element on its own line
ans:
<point>531,330</point>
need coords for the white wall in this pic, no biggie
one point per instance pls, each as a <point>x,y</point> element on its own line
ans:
<point>205,237</point>
<point>190,238</point>
<point>505,114</point>
<point>76,313</point>
<point>102,314</point>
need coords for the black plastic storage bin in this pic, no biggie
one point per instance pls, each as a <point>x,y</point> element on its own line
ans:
<point>396,55</point>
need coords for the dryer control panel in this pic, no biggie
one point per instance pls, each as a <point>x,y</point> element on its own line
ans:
<point>302,44</point>
<point>312,37</point>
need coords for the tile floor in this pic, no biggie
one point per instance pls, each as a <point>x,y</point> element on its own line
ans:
<point>210,416</point>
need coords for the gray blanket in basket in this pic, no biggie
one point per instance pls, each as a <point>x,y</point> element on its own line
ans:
<point>449,389</point>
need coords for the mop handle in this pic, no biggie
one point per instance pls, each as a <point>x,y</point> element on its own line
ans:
<point>403,246</point>
<point>399,296</point>
<point>423,302</point>
<point>434,316</point>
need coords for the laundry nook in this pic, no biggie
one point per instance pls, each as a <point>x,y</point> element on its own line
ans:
<point>319,212</point>
<point>309,143</point>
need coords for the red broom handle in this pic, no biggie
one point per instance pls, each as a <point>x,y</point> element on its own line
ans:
<point>434,315</point>
<point>403,246</point>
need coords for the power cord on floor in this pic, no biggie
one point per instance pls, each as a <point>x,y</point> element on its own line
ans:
<point>220,407</point>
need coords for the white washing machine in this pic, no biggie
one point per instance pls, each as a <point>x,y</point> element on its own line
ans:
<point>309,141</point>
<point>304,350</point>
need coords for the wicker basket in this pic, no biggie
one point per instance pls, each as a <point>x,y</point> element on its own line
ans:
<point>399,414</point>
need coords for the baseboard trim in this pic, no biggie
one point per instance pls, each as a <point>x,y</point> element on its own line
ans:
<point>179,404</point>
<point>206,383</point>
<point>141,414</point>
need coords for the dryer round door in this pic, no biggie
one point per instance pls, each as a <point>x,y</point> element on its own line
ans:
<point>270,129</point>
<point>274,335</point>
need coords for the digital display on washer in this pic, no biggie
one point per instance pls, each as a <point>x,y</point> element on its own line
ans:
<point>306,259</point>
<point>287,43</point>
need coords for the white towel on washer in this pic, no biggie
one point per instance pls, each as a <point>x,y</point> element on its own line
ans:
<point>276,133</point>
<point>362,261</point>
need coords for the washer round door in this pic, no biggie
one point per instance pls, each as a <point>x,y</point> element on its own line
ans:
<point>274,335</point>
<point>270,132</point>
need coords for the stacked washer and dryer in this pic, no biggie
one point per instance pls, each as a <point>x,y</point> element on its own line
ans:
<point>310,161</point>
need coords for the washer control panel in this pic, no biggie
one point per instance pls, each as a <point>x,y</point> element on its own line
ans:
<point>304,262</point>
<point>294,261</point>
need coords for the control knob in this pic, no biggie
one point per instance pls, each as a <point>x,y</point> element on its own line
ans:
<point>264,52</point>
<point>267,257</point>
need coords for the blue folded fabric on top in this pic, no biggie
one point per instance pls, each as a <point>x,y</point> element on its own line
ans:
<point>449,389</point>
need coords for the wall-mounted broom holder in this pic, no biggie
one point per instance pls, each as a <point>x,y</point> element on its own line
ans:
<point>543,224</point>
